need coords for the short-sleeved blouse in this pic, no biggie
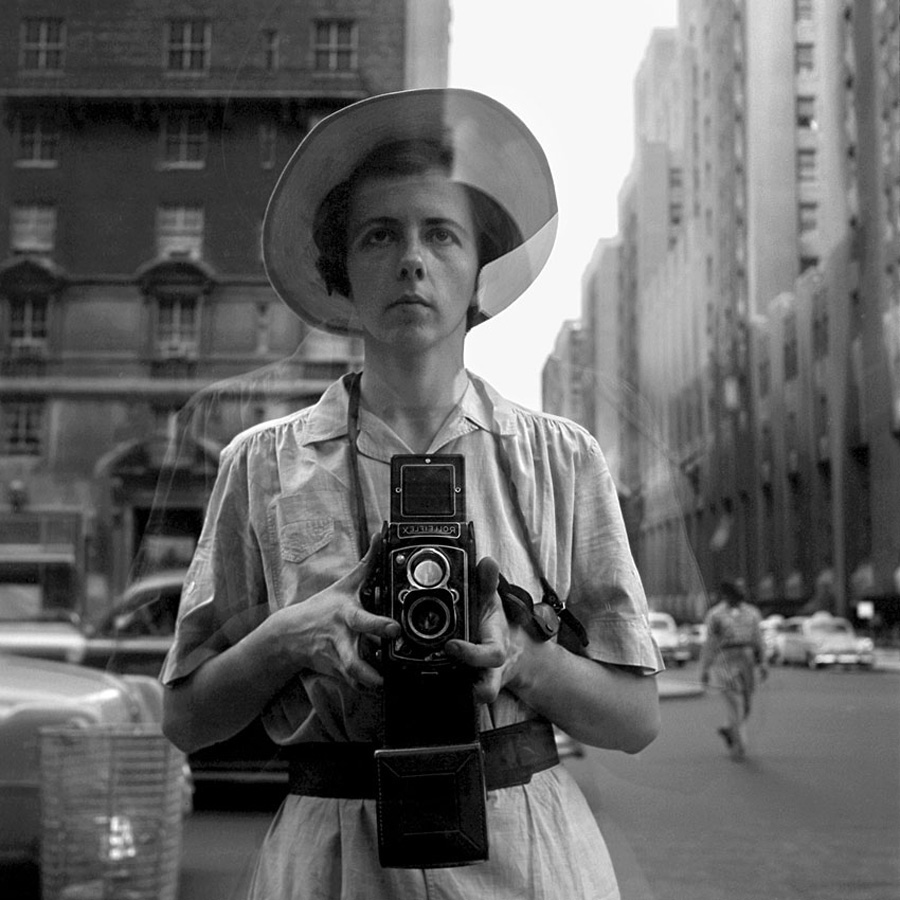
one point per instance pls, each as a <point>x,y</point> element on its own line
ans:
<point>280,528</point>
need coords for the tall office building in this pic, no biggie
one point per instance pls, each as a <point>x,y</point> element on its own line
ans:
<point>757,304</point>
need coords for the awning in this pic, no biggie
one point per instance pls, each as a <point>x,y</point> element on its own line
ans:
<point>45,554</point>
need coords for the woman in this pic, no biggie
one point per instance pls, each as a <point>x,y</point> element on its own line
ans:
<point>734,649</point>
<point>408,218</point>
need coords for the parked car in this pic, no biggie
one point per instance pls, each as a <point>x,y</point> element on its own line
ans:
<point>46,635</point>
<point>37,693</point>
<point>673,644</point>
<point>822,640</point>
<point>695,638</point>
<point>770,630</point>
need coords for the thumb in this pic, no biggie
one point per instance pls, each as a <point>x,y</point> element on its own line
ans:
<point>488,575</point>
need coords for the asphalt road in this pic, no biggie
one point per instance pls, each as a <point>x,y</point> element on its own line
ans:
<point>812,814</point>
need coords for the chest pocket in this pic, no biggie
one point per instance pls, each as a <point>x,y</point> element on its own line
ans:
<point>309,542</point>
<point>302,524</point>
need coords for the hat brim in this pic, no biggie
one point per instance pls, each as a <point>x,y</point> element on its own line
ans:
<point>493,151</point>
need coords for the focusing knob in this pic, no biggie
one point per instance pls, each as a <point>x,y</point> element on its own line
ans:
<point>428,568</point>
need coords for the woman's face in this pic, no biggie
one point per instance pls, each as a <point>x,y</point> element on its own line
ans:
<point>412,259</point>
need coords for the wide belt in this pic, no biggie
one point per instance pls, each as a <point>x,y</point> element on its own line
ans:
<point>512,754</point>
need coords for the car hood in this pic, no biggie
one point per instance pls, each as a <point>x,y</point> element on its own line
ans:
<point>25,681</point>
<point>48,640</point>
<point>834,643</point>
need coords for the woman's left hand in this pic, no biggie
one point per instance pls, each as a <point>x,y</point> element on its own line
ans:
<point>500,643</point>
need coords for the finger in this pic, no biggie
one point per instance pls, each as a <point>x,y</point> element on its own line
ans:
<point>478,656</point>
<point>361,621</point>
<point>360,674</point>
<point>488,575</point>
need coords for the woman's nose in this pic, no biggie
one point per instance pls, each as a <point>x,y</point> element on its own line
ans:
<point>412,263</point>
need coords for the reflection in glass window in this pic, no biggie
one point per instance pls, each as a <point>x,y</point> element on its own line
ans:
<point>42,44</point>
<point>179,231</point>
<point>184,141</point>
<point>176,327</point>
<point>21,427</point>
<point>271,43</point>
<point>38,142</point>
<point>188,45</point>
<point>33,228</point>
<point>28,321</point>
<point>268,135</point>
<point>334,46</point>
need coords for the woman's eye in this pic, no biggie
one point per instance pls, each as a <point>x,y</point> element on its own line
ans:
<point>442,236</point>
<point>378,236</point>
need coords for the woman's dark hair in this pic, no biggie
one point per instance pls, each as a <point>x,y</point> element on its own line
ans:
<point>496,231</point>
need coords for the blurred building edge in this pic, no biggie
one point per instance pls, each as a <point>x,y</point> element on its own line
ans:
<point>138,332</point>
<point>738,352</point>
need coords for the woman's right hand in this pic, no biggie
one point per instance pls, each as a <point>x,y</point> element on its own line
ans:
<point>323,633</point>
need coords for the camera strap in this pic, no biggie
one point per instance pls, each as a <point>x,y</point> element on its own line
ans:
<point>359,505</point>
<point>541,620</point>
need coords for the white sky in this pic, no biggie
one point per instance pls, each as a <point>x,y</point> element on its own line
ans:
<point>566,68</point>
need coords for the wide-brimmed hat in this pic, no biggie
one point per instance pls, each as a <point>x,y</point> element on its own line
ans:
<point>493,151</point>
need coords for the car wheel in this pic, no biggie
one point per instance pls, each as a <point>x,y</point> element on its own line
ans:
<point>811,662</point>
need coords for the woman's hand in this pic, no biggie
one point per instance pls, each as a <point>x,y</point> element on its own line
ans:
<point>324,632</point>
<point>500,643</point>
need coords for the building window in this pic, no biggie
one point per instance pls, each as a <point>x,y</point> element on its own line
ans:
<point>271,44</point>
<point>176,327</point>
<point>803,10</point>
<point>808,217</point>
<point>806,112</point>
<point>676,213</point>
<point>791,358</point>
<point>806,165</point>
<point>37,142</point>
<point>22,427</point>
<point>42,46</point>
<point>188,45</point>
<point>808,262</point>
<point>268,135</point>
<point>804,60</point>
<point>28,322</point>
<point>334,46</point>
<point>765,376</point>
<point>33,229</point>
<point>179,231</point>
<point>184,141</point>
<point>820,335</point>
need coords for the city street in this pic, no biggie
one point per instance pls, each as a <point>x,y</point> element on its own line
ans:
<point>813,814</point>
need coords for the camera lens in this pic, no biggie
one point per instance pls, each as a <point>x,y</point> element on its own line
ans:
<point>429,618</point>
<point>428,568</point>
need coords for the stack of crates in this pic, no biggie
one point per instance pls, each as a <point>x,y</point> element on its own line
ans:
<point>112,800</point>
